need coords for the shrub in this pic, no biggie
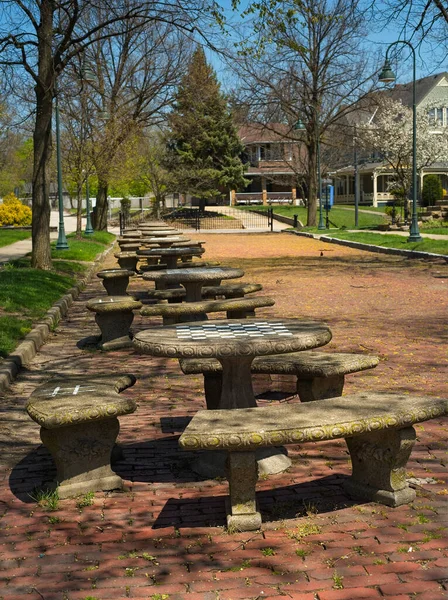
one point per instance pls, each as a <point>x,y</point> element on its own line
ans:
<point>432,190</point>
<point>13,212</point>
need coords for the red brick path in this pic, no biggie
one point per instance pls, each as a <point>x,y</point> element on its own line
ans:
<point>165,537</point>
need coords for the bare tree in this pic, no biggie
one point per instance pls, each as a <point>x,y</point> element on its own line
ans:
<point>311,71</point>
<point>39,38</point>
<point>137,73</point>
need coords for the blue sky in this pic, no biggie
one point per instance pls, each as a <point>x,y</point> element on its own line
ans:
<point>379,39</point>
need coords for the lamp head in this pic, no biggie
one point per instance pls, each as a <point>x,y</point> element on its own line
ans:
<point>387,75</point>
<point>88,75</point>
<point>299,126</point>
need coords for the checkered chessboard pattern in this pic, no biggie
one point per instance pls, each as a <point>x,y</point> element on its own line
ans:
<point>253,329</point>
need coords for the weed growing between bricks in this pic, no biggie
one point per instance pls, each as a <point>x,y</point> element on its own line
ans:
<point>164,537</point>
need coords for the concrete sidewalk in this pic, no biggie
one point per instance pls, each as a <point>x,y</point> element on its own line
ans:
<point>24,247</point>
<point>164,537</point>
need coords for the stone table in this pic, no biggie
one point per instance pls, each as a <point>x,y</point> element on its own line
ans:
<point>235,343</point>
<point>167,242</point>
<point>171,255</point>
<point>193,279</point>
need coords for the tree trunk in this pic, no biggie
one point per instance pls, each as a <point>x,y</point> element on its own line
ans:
<point>40,225</point>
<point>100,210</point>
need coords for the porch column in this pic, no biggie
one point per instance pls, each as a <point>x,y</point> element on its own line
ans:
<point>375,199</point>
<point>263,190</point>
<point>347,188</point>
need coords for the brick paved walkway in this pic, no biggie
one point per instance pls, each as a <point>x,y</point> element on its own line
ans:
<point>164,537</point>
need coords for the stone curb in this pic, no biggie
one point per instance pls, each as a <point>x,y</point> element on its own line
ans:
<point>33,341</point>
<point>371,247</point>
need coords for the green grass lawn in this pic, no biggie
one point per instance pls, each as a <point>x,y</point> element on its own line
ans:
<point>26,294</point>
<point>339,217</point>
<point>391,241</point>
<point>84,247</point>
<point>9,236</point>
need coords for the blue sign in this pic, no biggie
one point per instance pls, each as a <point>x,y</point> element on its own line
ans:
<point>329,196</point>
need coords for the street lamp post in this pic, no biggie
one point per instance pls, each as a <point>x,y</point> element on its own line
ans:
<point>387,76</point>
<point>61,244</point>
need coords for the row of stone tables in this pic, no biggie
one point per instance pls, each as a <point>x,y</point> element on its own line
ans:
<point>235,343</point>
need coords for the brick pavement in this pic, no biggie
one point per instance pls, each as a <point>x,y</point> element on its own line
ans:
<point>164,537</point>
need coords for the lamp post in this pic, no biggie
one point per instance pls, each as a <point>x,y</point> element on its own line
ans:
<point>61,244</point>
<point>356,180</point>
<point>387,76</point>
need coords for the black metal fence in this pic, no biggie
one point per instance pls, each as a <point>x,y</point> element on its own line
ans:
<point>215,218</point>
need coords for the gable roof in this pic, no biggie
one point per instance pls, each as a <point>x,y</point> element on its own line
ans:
<point>253,133</point>
<point>403,91</point>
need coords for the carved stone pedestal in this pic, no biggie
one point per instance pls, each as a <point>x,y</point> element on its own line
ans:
<point>114,316</point>
<point>82,455</point>
<point>379,466</point>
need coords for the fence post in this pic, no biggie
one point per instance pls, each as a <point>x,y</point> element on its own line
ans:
<point>120,215</point>
<point>198,221</point>
<point>271,218</point>
<point>295,217</point>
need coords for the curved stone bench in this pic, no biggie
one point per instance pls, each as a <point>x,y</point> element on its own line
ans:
<point>185,312</point>
<point>79,424</point>
<point>114,316</point>
<point>129,246</point>
<point>230,290</point>
<point>127,260</point>
<point>115,281</point>
<point>319,374</point>
<point>377,428</point>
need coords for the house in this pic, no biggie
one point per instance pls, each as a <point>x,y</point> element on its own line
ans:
<point>274,158</point>
<point>373,174</point>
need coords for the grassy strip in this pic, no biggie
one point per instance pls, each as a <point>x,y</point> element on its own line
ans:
<point>339,217</point>
<point>391,241</point>
<point>83,248</point>
<point>28,293</point>
<point>10,236</point>
<point>12,330</point>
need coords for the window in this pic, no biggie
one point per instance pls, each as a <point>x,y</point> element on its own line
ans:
<point>271,152</point>
<point>438,117</point>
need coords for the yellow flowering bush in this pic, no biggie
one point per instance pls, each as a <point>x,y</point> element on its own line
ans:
<point>13,212</point>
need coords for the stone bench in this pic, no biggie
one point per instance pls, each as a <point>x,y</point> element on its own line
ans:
<point>235,308</point>
<point>377,429</point>
<point>234,290</point>
<point>230,290</point>
<point>127,260</point>
<point>319,374</point>
<point>114,316</point>
<point>115,281</point>
<point>79,424</point>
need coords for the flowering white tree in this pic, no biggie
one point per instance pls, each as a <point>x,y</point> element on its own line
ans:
<point>390,134</point>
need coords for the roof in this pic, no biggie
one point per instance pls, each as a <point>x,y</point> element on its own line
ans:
<point>253,133</point>
<point>403,91</point>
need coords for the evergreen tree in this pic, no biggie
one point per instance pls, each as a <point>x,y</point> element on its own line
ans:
<point>204,151</point>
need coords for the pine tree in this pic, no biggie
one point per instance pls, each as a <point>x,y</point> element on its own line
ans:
<point>205,150</point>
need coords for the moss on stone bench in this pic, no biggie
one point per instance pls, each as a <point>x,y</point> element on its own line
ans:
<point>319,374</point>
<point>114,316</point>
<point>79,424</point>
<point>235,308</point>
<point>377,428</point>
